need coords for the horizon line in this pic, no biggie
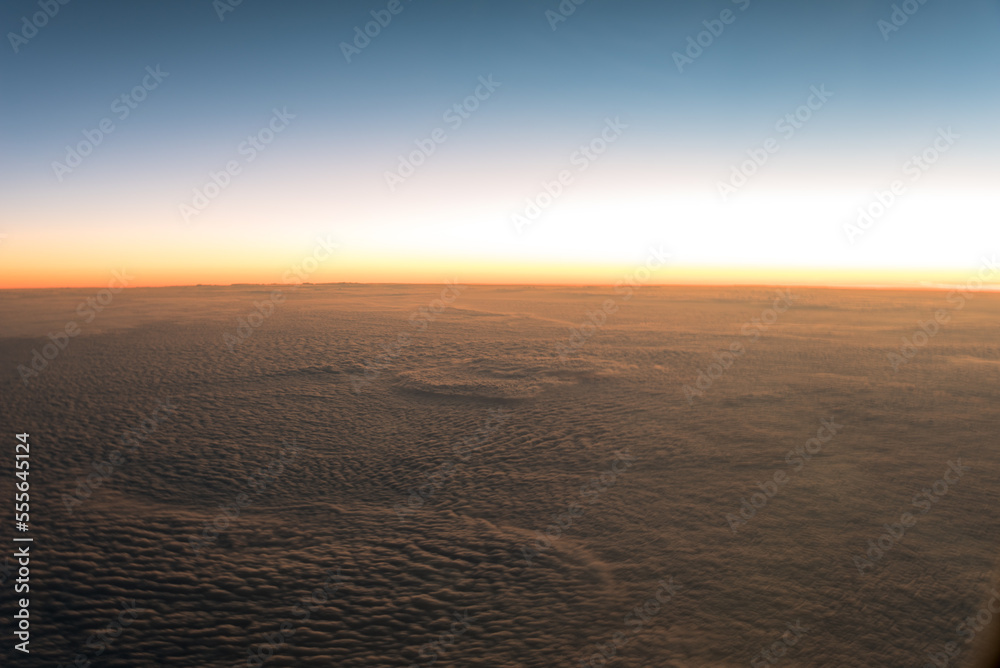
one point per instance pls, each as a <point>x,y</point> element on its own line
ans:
<point>986,287</point>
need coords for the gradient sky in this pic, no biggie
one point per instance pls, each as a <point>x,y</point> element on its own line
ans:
<point>324,175</point>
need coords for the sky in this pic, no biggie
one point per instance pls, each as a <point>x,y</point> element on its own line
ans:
<point>199,142</point>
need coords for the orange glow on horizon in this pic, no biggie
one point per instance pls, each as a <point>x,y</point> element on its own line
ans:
<point>475,272</point>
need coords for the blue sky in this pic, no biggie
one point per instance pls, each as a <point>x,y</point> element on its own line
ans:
<point>326,171</point>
